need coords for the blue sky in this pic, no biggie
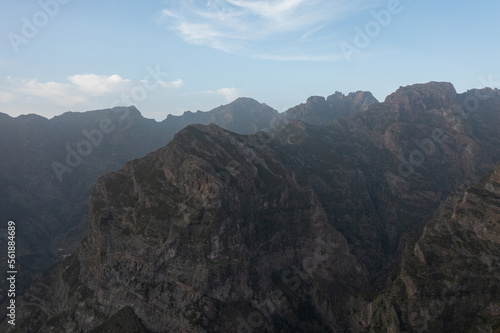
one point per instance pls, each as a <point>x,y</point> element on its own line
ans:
<point>167,57</point>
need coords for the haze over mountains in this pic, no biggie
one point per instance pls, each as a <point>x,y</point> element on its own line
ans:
<point>50,166</point>
<point>335,218</point>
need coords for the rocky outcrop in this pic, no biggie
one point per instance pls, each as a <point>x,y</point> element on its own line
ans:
<point>320,111</point>
<point>419,97</point>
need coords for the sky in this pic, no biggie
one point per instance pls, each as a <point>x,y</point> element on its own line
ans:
<point>167,57</point>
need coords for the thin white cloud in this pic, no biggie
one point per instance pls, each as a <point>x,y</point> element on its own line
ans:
<point>229,94</point>
<point>275,10</point>
<point>298,57</point>
<point>78,89</point>
<point>6,97</point>
<point>168,13</point>
<point>99,85</point>
<point>205,34</point>
<point>254,28</point>
<point>59,93</point>
<point>172,84</point>
<point>312,31</point>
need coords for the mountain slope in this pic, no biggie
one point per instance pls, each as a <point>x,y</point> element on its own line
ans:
<point>202,237</point>
<point>49,167</point>
<point>449,278</point>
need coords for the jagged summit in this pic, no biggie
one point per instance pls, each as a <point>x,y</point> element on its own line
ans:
<point>244,115</point>
<point>438,93</point>
<point>21,118</point>
<point>245,100</point>
<point>320,111</point>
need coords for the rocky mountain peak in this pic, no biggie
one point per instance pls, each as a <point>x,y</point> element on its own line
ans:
<point>315,100</point>
<point>246,101</point>
<point>244,115</point>
<point>433,93</point>
<point>358,97</point>
<point>319,110</point>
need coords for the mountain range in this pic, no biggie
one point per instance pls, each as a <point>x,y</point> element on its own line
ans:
<point>341,214</point>
<point>49,166</point>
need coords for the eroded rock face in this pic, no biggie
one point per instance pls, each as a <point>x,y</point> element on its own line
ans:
<point>296,229</point>
<point>449,278</point>
<point>205,235</point>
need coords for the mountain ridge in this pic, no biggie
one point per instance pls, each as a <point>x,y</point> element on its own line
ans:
<point>49,166</point>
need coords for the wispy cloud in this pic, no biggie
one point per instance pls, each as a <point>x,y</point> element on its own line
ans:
<point>169,85</point>
<point>172,84</point>
<point>61,94</point>
<point>100,85</point>
<point>298,57</point>
<point>277,29</point>
<point>312,31</point>
<point>6,97</point>
<point>78,89</point>
<point>229,94</point>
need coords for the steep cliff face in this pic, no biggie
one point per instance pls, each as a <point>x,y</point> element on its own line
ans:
<point>204,234</point>
<point>449,279</point>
